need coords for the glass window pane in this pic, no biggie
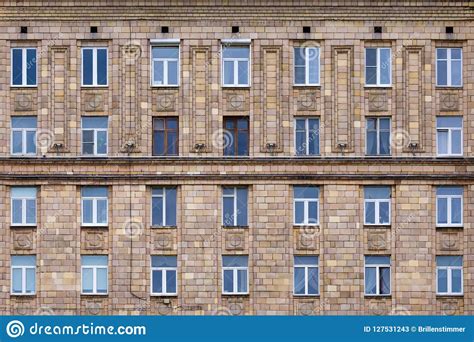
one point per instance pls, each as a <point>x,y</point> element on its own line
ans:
<point>158,72</point>
<point>17,211</point>
<point>449,121</point>
<point>456,141</point>
<point>313,66</point>
<point>441,53</point>
<point>372,142</point>
<point>442,73</point>
<point>173,72</point>
<point>94,191</point>
<point>384,280</point>
<point>456,53</point>
<point>87,279</point>
<point>242,280</point>
<point>166,52</point>
<point>312,212</point>
<point>30,280</point>
<point>228,211</point>
<point>171,207</point>
<point>300,147</point>
<point>301,191</point>
<point>101,211</point>
<point>242,200</point>
<point>242,146</point>
<point>384,143</point>
<point>101,280</point>
<point>384,210</point>
<point>31,142</point>
<point>442,211</point>
<point>454,260</point>
<point>443,142</point>
<point>371,57</point>
<point>17,280</point>
<point>31,66</point>
<point>171,281</point>
<point>456,210</point>
<point>385,66</point>
<point>456,282</point>
<point>228,72</point>
<point>228,281</point>
<point>299,212</point>
<point>235,260</point>
<point>442,280</point>
<point>449,190</point>
<point>17,143</point>
<point>101,142</point>
<point>163,261</point>
<point>377,260</point>
<point>88,137</point>
<point>300,77</point>
<point>313,280</point>
<point>17,74</point>
<point>157,281</point>
<point>101,66</point>
<point>86,211</point>
<point>306,260</point>
<point>235,51</point>
<point>172,144</point>
<point>158,143</point>
<point>370,280</point>
<point>299,280</point>
<point>300,56</point>
<point>243,69</point>
<point>377,192</point>
<point>370,75</point>
<point>370,212</point>
<point>30,211</point>
<point>157,211</point>
<point>456,73</point>
<point>87,67</point>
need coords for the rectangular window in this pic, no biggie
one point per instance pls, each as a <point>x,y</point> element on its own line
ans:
<point>24,67</point>
<point>306,205</point>
<point>235,65</point>
<point>236,136</point>
<point>165,136</point>
<point>23,206</point>
<point>163,207</point>
<point>306,276</point>
<point>94,206</point>
<point>23,139</point>
<point>95,135</point>
<point>449,67</point>
<point>307,65</point>
<point>378,67</point>
<point>449,277</point>
<point>449,205</point>
<point>235,274</point>
<point>377,205</point>
<point>94,271</point>
<point>377,275</point>
<point>163,275</point>
<point>307,136</point>
<point>449,136</point>
<point>378,136</point>
<point>165,65</point>
<point>234,204</point>
<point>94,66</point>
<point>23,274</point>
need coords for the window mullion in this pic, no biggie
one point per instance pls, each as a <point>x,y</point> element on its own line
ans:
<point>236,72</point>
<point>377,279</point>
<point>306,63</point>
<point>23,210</point>
<point>94,210</point>
<point>235,207</point>
<point>449,285</point>
<point>448,66</point>
<point>23,279</point>
<point>163,214</point>
<point>23,67</point>
<point>163,280</point>
<point>377,211</point>
<point>165,72</point>
<point>306,280</point>
<point>94,279</point>
<point>377,66</point>
<point>234,278</point>
<point>94,66</point>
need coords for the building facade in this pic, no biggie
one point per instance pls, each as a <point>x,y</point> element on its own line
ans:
<point>307,158</point>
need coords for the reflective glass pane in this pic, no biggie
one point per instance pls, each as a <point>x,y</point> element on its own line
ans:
<point>449,121</point>
<point>157,211</point>
<point>158,143</point>
<point>442,73</point>
<point>442,280</point>
<point>242,280</point>
<point>299,280</point>
<point>456,282</point>
<point>163,261</point>
<point>370,75</point>
<point>243,148</point>
<point>372,142</point>
<point>377,192</point>
<point>228,211</point>
<point>456,141</point>
<point>384,143</point>
<point>385,66</point>
<point>87,67</point>
<point>442,211</point>
<point>442,142</point>
<point>94,191</point>
<point>101,142</point>
<point>312,212</point>
<point>371,57</point>
<point>171,281</point>
<point>300,56</point>
<point>101,280</point>
<point>17,211</point>
<point>228,281</point>
<point>370,212</point>
<point>17,280</point>
<point>86,211</point>
<point>313,66</point>
<point>171,207</point>
<point>384,280</point>
<point>101,211</point>
<point>157,281</point>
<point>449,190</point>
<point>243,70</point>
<point>441,53</point>
<point>235,261</point>
<point>370,280</point>
<point>313,280</point>
<point>173,72</point>
<point>306,260</point>
<point>456,210</point>
<point>17,143</point>
<point>300,77</point>
<point>242,201</point>
<point>17,75</point>
<point>228,72</point>
<point>456,73</point>
<point>95,122</point>
<point>31,142</point>
<point>456,53</point>
<point>377,260</point>
<point>299,212</point>
<point>158,72</point>
<point>235,51</point>
<point>31,66</point>
<point>30,280</point>
<point>101,66</point>
<point>301,191</point>
<point>87,280</point>
<point>384,212</point>
<point>30,211</point>
<point>454,260</point>
<point>300,147</point>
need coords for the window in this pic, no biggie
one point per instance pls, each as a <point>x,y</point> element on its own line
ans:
<point>307,136</point>
<point>449,206</point>
<point>94,135</point>
<point>165,65</point>
<point>24,67</point>
<point>306,205</point>
<point>235,274</point>
<point>235,65</point>
<point>234,203</point>
<point>94,66</point>
<point>94,274</point>
<point>163,275</point>
<point>23,135</point>
<point>378,67</point>
<point>449,67</point>
<point>163,207</point>
<point>307,66</point>
<point>165,136</point>
<point>378,136</point>
<point>236,136</point>
<point>377,275</point>
<point>94,206</point>
<point>23,274</point>
<point>449,135</point>
<point>306,275</point>
<point>23,203</point>
<point>449,275</point>
<point>377,205</point>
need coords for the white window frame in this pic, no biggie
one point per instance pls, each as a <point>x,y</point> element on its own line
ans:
<point>94,211</point>
<point>306,279</point>
<point>449,213</point>
<point>23,210</point>
<point>306,66</point>
<point>23,281</point>
<point>306,125</point>
<point>23,68</point>
<point>94,66</point>
<point>378,136</point>
<point>378,67</point>
<point>377,202</point>
<point>23,141</point>
<point>94,279</point>
<point>448,67</point>
<point>306,211</point>
<point>377,279</point>
<point>95,130</point>
<point>449,288</point>
<point>163,280</point>
<point>166,43</point>
<point>450,140</point>
<point>236,43</point>
<point>236,209</point>
<point>235,273</point>
<point>163,212</point>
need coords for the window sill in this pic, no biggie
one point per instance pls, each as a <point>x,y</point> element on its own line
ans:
<point>235,227</point>
<point>450,295</point>
<point>94,294</point>
<point>94,86</point>
<point>23,225</point>
<point>235,86</point>
<point>368,225</point>
<point>368,86</point>
<point>374,296</point>
<point>164,86</point>
<point>236,294</point>
<point>23,294</point>
<point>165,295</point>
<point>446,87</point>
<point>23,86</point>
<point>163,227</point>
<point>94,226</point>
<point>306,85</point>
<point>447,226</point>
<point>296,296</point>
<point>450,156</point>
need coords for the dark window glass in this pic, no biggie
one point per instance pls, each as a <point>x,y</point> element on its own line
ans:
<point>236,136</point>
<point>165,136</point>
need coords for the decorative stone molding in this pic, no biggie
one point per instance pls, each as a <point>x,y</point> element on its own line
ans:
<point>94,102</point>
<point>163,241</point>
<point>23,102</point>
<point>165,103</point>
<point>378,102</point>
<point>306,308</point>
<point>307,102</point>
<point>377,240</point>
<point>449,241</point>
<point>94,239</point>
<point>448,102</point>
<point>234,240</point>
<point>307,238</point>
<point>449,307</point>
<point>23,239</point>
